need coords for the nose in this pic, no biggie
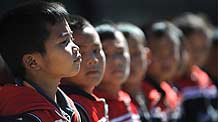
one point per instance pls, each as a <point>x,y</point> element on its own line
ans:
<point>75,50</point>
<point>118,59</point>
<point>93,60</point>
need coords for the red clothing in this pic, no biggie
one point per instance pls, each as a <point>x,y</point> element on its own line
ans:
<point>95,107</point>
<point>197,83</point>
<point>16,100</point>
<point>198,92</point>
<point>120,109</point>
<point>159,107</point>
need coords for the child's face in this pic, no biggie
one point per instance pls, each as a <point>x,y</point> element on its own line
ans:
<point>118,60</point>
<point>164,59</point>
<point>138,60</point>
<point>62,57</point>
<point>197,47</point>
<point>93,58</point>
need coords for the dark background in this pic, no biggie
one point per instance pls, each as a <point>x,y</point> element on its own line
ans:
<point>138,12</point>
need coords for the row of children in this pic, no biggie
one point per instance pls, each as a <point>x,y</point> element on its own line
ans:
<point>64,69</point>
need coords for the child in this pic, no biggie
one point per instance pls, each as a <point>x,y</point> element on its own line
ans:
<point>138,54</point>
<point>117,70</point>
<point>195,85</point>
<point>36,43</point>
<point>80,87</point>
<point>164,43</point>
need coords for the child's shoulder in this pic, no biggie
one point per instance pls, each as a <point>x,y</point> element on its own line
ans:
<point>20,99</point>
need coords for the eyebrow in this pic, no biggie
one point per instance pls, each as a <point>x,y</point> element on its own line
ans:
<point>63,34</point>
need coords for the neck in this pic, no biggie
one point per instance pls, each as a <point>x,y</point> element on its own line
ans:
<point>69,82</point>
<point>88,89</point>
<point>48,85</point>
<point>132,88</point>
<point>110,88</point>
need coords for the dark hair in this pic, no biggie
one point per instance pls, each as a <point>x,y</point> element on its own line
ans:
<point>130,30</point>
<point>165,28</point>
<point>78,23</point>
<point>24,29</point>
<point>106,31</point>
<point>191,23</point>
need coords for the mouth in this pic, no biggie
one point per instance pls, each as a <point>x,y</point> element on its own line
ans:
<point>92,72</point>
<point>118,71</point>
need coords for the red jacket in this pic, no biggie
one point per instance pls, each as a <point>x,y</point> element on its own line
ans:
<point>96,108</point>
<point>195,84</point>
<point>120,109</point>
<point>159,107</point>
<point>198,94</point>
<point>16,100</point>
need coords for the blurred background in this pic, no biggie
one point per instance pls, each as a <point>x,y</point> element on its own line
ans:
<point>139,12</point>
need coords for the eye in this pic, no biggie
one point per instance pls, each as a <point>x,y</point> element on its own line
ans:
<point>120,52</point>
<point>96,50</point>
<point>65,42</point>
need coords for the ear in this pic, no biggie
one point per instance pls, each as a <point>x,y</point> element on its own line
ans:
<point>148,55</point>
<point>30,62</point>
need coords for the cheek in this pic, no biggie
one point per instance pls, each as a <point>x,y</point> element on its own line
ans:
<point>102,61</point>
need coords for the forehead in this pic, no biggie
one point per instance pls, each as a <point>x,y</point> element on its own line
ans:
<point>198,39</point>
<point>134,43</point>
<point>118,42</point>
<point>87,37</point>
<point>57,31</point>
<point>161,43</point>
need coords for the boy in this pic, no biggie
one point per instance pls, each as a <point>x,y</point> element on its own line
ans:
<point>80,87</point>
<point>117,70</point>
<point>138,54</point>
<point>36,43</point>
<point>163,42</point>
<point>195,85</point>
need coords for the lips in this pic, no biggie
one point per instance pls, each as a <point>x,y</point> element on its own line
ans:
<point>93,73</point>
<point>118,71</point>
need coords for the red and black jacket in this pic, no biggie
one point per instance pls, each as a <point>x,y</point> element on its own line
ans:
<point>95,108</point>
<point>120,109</point>
<point>199,94</point>
<point>18,100</point>
<point>162,99</point>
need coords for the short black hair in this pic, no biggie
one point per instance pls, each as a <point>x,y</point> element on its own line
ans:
<point>131,30</point>
<point>106,31</point>
<point>163,29</point>
<point>24,29</point>
<point>78,23</point>
<point>191,23</point>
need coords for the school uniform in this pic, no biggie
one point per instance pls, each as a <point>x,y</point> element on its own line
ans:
<point>96,109</point>
<point>140,101</point>
<point>198,92</point>
<point>163,100</point>
<point>18,100</point>
<point>121,109</point>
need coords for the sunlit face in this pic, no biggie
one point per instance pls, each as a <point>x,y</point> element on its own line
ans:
<point>62,57</point>
<point>197,47</point>
<point>138,60</point>
<point>93,58</point>
<point>164,59</point>
<point>117,60</point>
